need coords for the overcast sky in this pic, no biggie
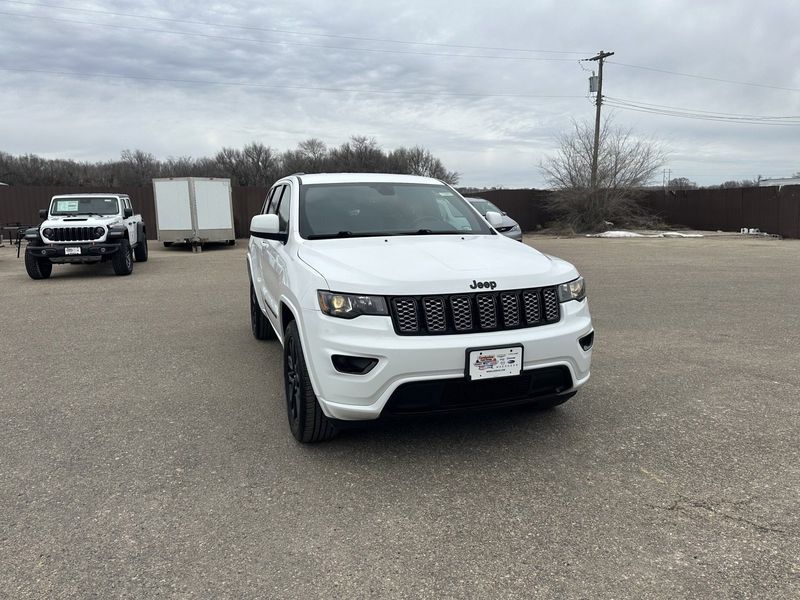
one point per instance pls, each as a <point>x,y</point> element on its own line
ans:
<point>490,110</point>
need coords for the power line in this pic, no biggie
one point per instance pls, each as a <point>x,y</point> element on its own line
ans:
<point>705,77</point>
<point>761,120</point>
<point>282,86</point>
<point>283,42</point>
<point>287,31</point>
<point>697,110</point>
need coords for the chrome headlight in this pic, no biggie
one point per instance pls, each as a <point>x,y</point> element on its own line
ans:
<point>350,306</point>
<point>572,290</point>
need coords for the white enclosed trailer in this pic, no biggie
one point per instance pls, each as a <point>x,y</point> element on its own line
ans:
<point>194,210</point>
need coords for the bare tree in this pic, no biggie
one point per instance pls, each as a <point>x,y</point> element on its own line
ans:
<point>626,164</point>
<point>681,183</point>
<point>418,161</point>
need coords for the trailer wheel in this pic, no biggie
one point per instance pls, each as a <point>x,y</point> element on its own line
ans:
<point>122,259</point>
<point>38,268</point>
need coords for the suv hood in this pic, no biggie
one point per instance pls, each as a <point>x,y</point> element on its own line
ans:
<point>81,221</point>
<point>443,264</point>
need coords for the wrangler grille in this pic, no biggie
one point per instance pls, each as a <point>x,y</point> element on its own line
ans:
<point>73,234</point>
<point>470,313</point>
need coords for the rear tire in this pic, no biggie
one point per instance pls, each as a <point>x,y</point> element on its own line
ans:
<point>306,420</point>
<point>38,268</point>
<point>122,259</point>
<point>140,252</point>
<point>262,330</point>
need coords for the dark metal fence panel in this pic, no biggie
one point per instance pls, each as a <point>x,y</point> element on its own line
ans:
<point>771,209</point>
<point>789,210</point>
<point>247,201</point>
<point>21,204</point>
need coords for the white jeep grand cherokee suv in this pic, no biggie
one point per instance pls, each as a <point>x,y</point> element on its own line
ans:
<point>392,295</point>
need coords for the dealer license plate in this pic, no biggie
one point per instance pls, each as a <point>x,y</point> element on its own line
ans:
<point>487,363</point>
<point>69,251</point>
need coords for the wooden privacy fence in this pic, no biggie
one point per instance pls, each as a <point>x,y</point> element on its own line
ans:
<point>770,209</point>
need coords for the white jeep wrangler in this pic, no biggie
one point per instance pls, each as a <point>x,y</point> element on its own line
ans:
<point>86,228</point>
<point>392,295</point>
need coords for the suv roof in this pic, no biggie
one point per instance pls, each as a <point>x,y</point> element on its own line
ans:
<point>91,195</point>
<point>362,178</point>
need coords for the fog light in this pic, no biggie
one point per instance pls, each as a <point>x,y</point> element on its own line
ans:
<point>353,365</point>
<point>102,250</point>
<point>587,342</point>
<point>43,252</point>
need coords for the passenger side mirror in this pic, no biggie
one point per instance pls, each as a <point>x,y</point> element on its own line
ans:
<point>494,218</point>
<point>127,213</point>
<point>267,227</point>
<point>43,213</point>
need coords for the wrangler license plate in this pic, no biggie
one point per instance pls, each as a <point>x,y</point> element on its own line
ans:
<point>69,251</point>
<point>486,363</point>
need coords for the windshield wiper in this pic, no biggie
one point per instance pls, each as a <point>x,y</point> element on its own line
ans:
<point>328,236</point>
<point>433,232</point>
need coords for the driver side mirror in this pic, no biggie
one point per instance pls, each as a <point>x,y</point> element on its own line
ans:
<point>43,213</point>
<point>267,227</point>
<point>494,218</point>
<point>127,213</point>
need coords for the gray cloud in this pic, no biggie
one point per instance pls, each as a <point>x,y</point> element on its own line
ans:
<point>491,141</point>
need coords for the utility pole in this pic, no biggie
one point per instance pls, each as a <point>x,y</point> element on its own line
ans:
<point>599,101</point>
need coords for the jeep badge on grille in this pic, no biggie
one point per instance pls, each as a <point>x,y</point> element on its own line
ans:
<point>479,285</point>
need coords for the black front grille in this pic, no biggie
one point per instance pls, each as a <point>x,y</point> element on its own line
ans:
<point>441,395</point>
<point>470,313</point>
<point>73,234</point>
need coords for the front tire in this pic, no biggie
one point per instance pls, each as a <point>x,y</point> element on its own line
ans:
<point>140,252</point>
<point>306,420</point>
<point>38,268</point>
<point>262,330</point>
<point>122,259</point>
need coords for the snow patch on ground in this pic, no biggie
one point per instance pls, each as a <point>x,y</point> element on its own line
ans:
<point>633,234</point>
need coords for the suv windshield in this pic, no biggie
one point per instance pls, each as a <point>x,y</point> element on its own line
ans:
<point>384,209</point>
<point>484,206</point>
<point>84,206</point>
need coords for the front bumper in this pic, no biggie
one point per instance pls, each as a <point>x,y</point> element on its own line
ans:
<point>408,359</point>
<point>59,250</point>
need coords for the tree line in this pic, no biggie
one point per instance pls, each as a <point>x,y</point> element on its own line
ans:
<point>254,164</point>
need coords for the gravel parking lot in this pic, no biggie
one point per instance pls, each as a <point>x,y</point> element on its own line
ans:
<point>144,450</point>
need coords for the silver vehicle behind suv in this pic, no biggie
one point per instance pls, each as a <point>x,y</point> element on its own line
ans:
<point>509,227</point>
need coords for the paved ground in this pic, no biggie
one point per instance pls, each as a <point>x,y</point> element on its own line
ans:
<point>144,451</point>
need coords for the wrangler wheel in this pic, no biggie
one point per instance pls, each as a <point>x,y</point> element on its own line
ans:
<point>140,252</point>
<point>122,259</point>
<point>38,268</point>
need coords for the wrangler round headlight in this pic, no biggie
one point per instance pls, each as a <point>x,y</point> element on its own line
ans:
<point>99,231</point>
<point>572,290</point>
<point>350,306</point>
<point>48,233</point>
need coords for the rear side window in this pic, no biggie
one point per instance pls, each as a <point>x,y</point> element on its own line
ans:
<point>284,209</point>
<point>275,200</point>
<point>267,200</point>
